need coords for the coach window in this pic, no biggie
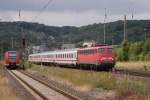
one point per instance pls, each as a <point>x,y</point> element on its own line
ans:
<point>70,55</point>
<point>74,55</point>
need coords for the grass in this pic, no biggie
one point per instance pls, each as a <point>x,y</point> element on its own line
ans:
<point>90,80</point>
<point>77,77</point>
<point>134,65</point>
<point>6,91</point>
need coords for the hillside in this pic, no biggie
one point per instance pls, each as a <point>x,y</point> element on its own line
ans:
<point>54,36</point>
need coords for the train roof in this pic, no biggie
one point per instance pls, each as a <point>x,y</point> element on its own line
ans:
<point>56,51</point>
<point>71,50</point>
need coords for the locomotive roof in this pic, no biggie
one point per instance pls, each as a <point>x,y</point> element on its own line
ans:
<point>97,47</point>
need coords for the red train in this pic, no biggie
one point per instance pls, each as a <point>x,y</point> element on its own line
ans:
<point>93,57</point>
<point>101,56</point>
<point>12,59</point>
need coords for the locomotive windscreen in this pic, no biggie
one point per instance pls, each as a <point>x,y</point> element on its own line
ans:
<point>12,56</point>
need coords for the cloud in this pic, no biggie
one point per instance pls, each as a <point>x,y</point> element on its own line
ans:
<point>65,18</point>
<point>73,12</point>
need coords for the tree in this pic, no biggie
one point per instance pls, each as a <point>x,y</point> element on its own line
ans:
<point>125,50</point>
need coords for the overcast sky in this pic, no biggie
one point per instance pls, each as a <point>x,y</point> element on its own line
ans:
<point>73,12</point>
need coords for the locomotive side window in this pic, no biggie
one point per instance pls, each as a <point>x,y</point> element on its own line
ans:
<point>110,50</point>
<point>90,51</point>
<point>101,50</point>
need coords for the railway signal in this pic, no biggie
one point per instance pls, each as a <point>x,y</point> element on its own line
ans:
<point>23,42</point>
<point>145,30</point>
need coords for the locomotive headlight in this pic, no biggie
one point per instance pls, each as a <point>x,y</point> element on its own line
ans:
<point>107,58</point>
<point>103,58</point>
<point>110,58</point>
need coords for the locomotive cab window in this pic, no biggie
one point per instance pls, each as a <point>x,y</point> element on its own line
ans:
<point>12,53</point>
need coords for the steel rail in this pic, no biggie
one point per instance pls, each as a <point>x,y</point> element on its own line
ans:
<point>139,73</point>
<point>70,96</point>
<point>33,89</point>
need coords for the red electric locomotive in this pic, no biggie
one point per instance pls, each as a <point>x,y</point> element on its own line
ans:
<point>99,57</point>
<point>12,59</point>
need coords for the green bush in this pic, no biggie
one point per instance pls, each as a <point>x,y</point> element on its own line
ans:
<point>138,51</point>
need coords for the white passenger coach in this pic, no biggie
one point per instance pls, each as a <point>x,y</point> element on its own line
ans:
<point>64,57</point>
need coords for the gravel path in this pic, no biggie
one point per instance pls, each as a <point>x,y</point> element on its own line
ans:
<point>20,90</point>
<point>43,89</point>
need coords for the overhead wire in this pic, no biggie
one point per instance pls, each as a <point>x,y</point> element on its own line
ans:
<point>42,10</point>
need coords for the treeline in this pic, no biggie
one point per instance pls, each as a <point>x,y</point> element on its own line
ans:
<point>54,37</point>
<point>138,51</point>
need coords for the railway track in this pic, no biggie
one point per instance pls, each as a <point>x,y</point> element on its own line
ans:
<point>40,89</point>
<point>145,74</point>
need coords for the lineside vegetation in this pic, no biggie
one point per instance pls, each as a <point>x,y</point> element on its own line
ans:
<point>138,51</point>
<point>6,91</point>
<point>134,55</point>
<point>122,85</point>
